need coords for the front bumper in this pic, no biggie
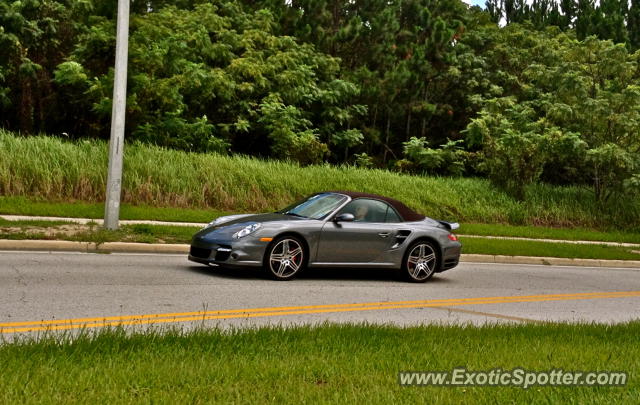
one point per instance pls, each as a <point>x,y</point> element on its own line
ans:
<point>242,252</point>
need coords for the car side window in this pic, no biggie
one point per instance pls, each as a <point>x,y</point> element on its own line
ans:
<point>392,215</point>
<point>368,210</point>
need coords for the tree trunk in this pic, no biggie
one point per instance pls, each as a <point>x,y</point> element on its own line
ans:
<point>386,141</point>
<point>373,125</point>
<point>596,183</point>
<point>26,106</point>
<point>375,116</point>
<point>26,101</point>
<point>408,130</point>
<point>423,130</point>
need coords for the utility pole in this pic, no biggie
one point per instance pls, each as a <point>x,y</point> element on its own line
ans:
<point>116,142</point>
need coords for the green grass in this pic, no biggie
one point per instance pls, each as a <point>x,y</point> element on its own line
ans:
<point>140,233</point>
<point>7,223</point>
<point>539,232</point>
<point>325,364</point>
<point>20,205</point>
<point>545,249</point>
<point>59,171</point>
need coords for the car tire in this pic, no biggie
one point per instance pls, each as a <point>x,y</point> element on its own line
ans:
<point>285,258</point>
<point>420,261</point>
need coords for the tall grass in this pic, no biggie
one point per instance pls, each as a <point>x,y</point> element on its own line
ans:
<point>327,364</point>
<point>54,169</point>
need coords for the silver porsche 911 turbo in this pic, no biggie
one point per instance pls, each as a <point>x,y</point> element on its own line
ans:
<point>331,229</point>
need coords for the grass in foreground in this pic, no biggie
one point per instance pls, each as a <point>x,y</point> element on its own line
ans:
<point>52,169</point>
<point>325,364</point>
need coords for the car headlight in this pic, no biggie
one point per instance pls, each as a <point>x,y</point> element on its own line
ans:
<point>246,231</point>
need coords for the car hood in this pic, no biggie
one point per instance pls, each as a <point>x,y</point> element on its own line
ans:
<point>233,223</point>
<point>262,218</point>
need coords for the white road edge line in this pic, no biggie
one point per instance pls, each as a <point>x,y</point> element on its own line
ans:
<point>54,252</point>
<point>551,265</point>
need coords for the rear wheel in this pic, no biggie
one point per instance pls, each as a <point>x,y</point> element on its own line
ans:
<point>420,261</point>
<point>285,258</point>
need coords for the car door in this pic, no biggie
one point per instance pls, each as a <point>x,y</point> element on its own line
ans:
<point>365,240</point>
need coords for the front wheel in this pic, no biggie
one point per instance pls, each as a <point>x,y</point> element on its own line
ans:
<point>285,258</point>
<point>420,261</point>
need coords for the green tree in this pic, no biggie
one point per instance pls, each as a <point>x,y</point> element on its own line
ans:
<point>575,103</point>
<point>449,159</point>
<point>215,77</point>
<point>396,52</point>
<point>35,36</point>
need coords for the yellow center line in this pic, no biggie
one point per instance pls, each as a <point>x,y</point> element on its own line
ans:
<point>305,307</point>
<point>145,319</point>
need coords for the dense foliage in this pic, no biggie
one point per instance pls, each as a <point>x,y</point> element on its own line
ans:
<point>52,169</point>
<point>521,93</point>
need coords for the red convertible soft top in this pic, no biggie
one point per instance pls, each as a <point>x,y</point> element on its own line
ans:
<point>405,212</point>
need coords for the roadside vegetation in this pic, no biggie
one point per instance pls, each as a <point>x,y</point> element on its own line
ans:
<point>54,170</point>
<point>57,230</point>
<point>143,233</point>
<point>314,364</point>
<point>518,94</point>
<point>547,249</point>
<point>541,232</point>
<point>38,206</point>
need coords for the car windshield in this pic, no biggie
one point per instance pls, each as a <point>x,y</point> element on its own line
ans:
<point>315,207</point>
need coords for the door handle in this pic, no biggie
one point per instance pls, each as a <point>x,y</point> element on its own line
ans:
<point>384,234</point>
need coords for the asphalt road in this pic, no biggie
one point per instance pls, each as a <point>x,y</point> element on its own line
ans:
<point>65,291</point>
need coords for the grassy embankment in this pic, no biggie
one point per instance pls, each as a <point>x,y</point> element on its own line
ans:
<point>54,170</point>
<point>326,364</point>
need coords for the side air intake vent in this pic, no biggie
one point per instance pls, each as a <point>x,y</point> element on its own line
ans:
<point>401,236</point>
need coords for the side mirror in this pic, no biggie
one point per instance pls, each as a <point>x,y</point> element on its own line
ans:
<point>346,217</point>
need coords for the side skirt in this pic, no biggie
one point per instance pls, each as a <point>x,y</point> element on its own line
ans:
<point>347,264</point>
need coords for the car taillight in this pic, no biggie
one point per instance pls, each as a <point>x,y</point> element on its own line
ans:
<point>452,237</point>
